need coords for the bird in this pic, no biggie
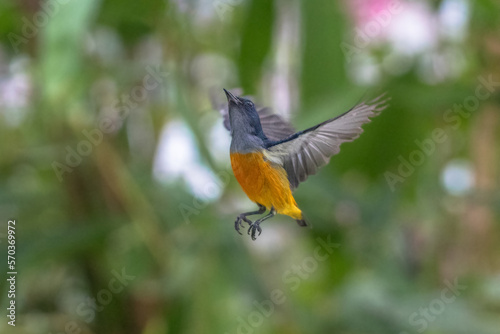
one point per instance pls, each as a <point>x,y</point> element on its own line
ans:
<point>270,159</point>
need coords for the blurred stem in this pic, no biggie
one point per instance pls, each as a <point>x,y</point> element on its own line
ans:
<point>478,220</point>
<point>116,176</point>
<point>192,119</point>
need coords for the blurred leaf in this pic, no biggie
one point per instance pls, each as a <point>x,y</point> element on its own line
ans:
<point>255,42</point>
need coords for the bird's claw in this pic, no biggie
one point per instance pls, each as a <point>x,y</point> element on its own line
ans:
<point>253,228</point>
<point>239,223</point>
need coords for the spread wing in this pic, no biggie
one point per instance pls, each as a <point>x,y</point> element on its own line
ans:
<point>274,126</point>
<point>303,153</point>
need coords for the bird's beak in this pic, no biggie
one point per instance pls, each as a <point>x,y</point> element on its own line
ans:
<point>231,97</point>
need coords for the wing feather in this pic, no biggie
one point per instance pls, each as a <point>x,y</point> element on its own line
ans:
<point>303,153</point>
<point>274,126</point>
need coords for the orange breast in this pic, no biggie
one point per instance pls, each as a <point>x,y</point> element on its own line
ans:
<point>264,183</point>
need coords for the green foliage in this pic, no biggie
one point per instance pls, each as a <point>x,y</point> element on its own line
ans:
<point>376,258</point>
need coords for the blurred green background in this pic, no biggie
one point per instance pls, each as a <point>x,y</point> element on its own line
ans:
<point>114,164</point>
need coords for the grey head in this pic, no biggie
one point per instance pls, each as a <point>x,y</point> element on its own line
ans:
<point>246,129</point>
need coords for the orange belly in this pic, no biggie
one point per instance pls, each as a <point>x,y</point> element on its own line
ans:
<point>264,183</point>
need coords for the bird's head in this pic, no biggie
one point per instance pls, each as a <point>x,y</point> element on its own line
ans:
<point>237,103</point>
<point>243,115</point>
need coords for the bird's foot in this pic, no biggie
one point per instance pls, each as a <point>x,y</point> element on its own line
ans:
<point>239,223</point>
<point>255,227</point>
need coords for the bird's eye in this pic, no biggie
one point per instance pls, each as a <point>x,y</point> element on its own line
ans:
<point>249,103</point>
